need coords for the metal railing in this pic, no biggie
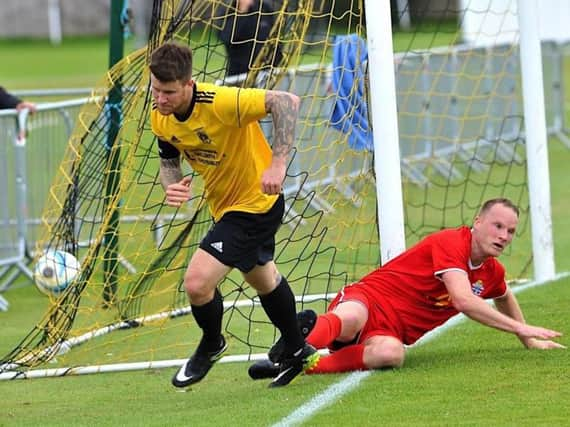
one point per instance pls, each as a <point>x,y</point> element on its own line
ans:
<point>31,148</point>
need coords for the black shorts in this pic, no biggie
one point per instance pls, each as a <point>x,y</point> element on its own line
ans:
<point>244,240</point>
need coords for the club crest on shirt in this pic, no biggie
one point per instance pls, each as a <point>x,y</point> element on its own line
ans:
<point>203,136</point>
<point>477,288</point>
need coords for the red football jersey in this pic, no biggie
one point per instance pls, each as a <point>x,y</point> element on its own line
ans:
<point>411,282</point>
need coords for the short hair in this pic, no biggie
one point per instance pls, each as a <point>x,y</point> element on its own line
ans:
<point>171,62</point>
<point>498,201</point>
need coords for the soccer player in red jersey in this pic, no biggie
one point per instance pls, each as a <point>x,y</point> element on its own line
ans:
<point>450,271</point>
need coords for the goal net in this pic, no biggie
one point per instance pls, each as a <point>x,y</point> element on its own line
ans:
<point>460,126</point>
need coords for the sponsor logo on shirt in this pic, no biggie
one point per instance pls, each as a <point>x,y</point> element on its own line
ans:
<point>477,288</point>
<point>206,157</point>
<point>202,136</point>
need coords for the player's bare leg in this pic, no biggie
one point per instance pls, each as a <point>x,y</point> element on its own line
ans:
<point>353,315</point>
<point>383,352</point>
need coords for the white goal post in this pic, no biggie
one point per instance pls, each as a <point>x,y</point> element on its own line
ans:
<point>536,141</point>
<point>386,141</point>
<point>385,126</point>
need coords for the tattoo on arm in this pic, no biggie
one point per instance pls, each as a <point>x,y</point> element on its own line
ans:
<point>283,107</point>
<point>170,171</point>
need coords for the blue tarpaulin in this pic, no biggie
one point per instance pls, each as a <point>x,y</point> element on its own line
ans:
<point>350,112</point>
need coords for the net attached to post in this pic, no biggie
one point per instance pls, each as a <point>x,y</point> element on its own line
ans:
<point>460,120</point>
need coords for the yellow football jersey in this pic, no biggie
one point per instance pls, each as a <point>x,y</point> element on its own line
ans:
<point>223,141</point>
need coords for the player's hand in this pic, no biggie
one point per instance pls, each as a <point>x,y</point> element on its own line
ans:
<point>542,344</point>
<point>25,104</point>
<point>179,192</point>
<point>272,178</point>
<point>528,331</point>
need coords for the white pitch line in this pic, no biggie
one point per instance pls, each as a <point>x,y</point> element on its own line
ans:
<point>352,381</point>
<point>329,396</point>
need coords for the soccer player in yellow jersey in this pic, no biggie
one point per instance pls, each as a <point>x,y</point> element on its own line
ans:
<point>216,130</point>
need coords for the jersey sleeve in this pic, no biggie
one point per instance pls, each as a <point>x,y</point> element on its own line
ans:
<point>448,253</point>
<point>166,150</point>
<point>239,106</point>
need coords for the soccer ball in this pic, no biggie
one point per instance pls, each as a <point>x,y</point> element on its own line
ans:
<point>54,271</point>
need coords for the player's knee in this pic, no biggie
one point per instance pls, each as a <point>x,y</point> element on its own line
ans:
<point>197,288</point>
<point>384,354</point>
<point>393,357</point>
<point>353,316</point>
<point>351,325</point>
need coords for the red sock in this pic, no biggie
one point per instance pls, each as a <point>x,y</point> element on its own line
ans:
<point>326,330</point>
<point>346,359</point>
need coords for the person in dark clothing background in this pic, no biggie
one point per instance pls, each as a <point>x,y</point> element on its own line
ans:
<point>8,100</point>
<point>244,33</point>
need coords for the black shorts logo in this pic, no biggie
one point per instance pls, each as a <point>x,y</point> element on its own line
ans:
<point>219,246</point>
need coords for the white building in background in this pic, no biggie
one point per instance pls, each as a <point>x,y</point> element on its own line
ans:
<point>482,22</point>
<point>487,22</point>
<point>33,18</point>
<point>52,19</point>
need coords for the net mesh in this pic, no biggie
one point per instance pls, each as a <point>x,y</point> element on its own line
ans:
<point>461,143</point>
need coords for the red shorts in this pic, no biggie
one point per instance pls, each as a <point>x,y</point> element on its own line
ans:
<point>382,319</point>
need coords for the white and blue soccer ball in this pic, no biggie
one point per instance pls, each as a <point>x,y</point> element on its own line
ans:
<point>54,271</point>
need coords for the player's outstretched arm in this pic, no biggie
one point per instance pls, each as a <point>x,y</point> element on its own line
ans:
<point>531,336</point>
<point>477,309</point>
<point>284,108</point>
